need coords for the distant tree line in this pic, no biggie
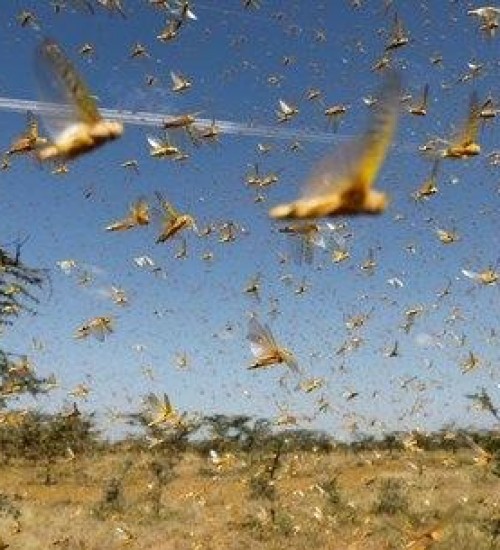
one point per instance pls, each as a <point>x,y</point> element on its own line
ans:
<point>35,435</point>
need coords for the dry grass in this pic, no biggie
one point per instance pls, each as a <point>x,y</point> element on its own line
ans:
<point>144,499</point>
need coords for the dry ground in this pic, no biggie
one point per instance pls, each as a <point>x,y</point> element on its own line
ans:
<point>339,500</point>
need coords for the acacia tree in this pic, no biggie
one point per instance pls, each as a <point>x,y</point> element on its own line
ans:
<point>18,286</point>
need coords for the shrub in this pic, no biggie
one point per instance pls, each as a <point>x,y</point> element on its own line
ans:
<point>392,498</point>
<point>45,437</point>
<point>112,500</point>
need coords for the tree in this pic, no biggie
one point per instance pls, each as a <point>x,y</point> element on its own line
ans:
<point>18,284</point>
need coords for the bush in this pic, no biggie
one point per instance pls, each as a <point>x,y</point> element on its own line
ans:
<point>112,500</point>
<point>262,487</point>
<point>45,437</point>
<point>8,508</point>
<point>391,498</point>
<point>332,492</point>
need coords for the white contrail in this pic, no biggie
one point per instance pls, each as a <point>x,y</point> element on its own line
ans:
<point>144,118</point>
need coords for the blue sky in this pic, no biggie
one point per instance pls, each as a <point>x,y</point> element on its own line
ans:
<point>230,53</point>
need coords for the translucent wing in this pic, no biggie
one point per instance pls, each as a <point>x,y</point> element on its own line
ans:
<point>138,215</point>
<point>32,126</point>
<point>139,211</point>
<point>144,261</point>
<point>67,266</point>
<point>291,361</point>
<point>100,327</point>
<point>257,349</point>
<point>182,10</point>
<point>333,173</point>
<point>152,401</point>
<point>82,332</point>
<point>330,238</point>
<point>378,138</point>
<point>470,274</point>
<point>284,107</point>
<point>307,250</point>
<point>166,405</point>
<point>160,405</point>
<point>83,5</point>
<point>113,6</point>
<point>167,207</point>
<point>160,410</point>
<point>99,332</point>
<point>261,339</point>
<point>153,142</point>
<point>318,240</point>
<point>304,237</point>
<point>177,81</point>
<point>60,83</point>
<point>302,249</point>
<point>470,130</point>
<point>425,97</point>
<point>395,282</point>
<point>357,164</point>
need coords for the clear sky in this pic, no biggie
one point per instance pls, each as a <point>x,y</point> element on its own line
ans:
<point>230,54</point>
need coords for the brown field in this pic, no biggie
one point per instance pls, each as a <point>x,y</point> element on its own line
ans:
<point>130,497</point>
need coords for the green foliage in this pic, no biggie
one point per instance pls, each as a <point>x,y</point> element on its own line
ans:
<point>233,432</point>
<point>392,498</point>
<point>112,500</point>
<point>282,523</point>
<point>255,526</point>
<point>261,487</point>
<point>8,508</point>
<point>262,484</point>
<point>336,505</point>
<point>466,536</point>
<point>165,437</point>
<point>391,443</point>
<point>17,377</point>
<point>16,282</point>
<point>241,433</point>
<point>490,441</point>
<point>332,492</point>
<point>495,468</point>
<point>163,471</point>
<point>38,436</point>
<point>491,526</point>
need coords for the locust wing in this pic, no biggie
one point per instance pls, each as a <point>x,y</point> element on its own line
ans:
<point>363,157</point>
<point>261,339</point>
<point>469,133</point>
<point>168,210</point>
<point>342,182</point>
<point>60,83</point>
